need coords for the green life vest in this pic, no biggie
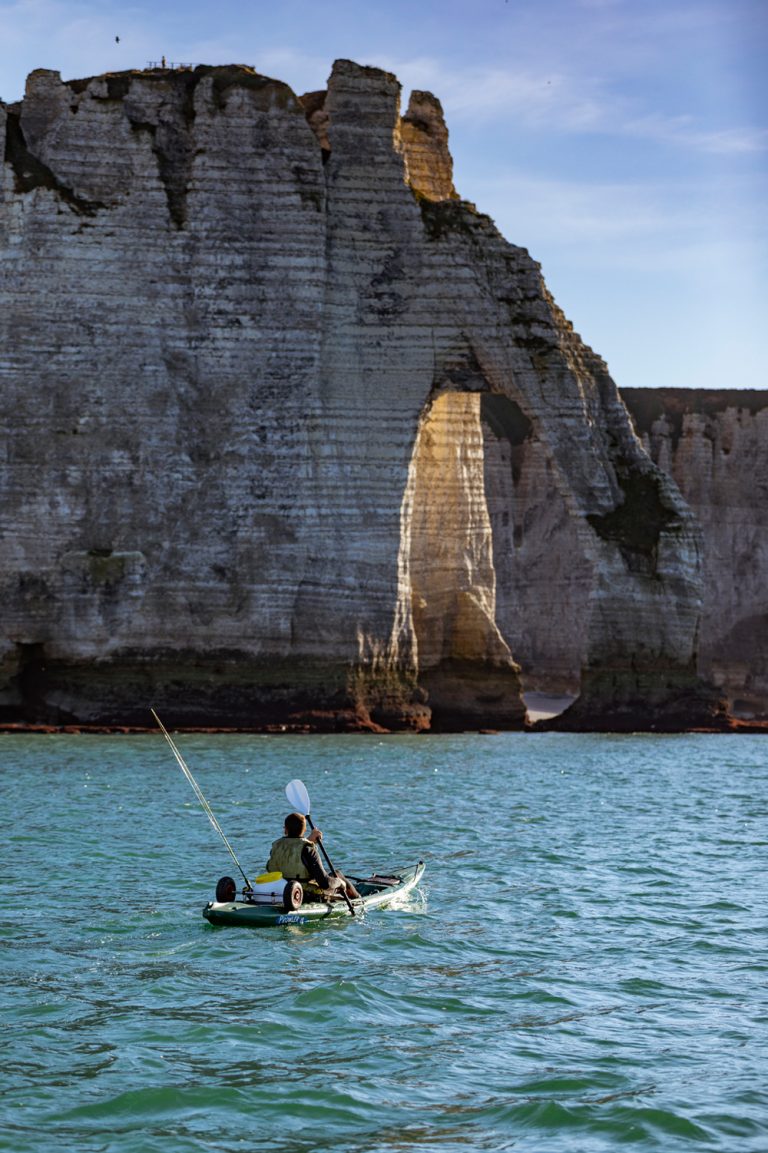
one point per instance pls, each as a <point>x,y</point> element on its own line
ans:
<point>286,858</point>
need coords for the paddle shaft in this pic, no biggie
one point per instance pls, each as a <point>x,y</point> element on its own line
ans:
<point>329,863</point>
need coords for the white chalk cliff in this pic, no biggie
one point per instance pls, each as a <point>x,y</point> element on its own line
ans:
<point>276,403</point>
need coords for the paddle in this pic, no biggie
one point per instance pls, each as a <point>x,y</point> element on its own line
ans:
<point>298,797</point>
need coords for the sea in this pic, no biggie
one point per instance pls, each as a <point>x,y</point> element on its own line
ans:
<point>582,969</point>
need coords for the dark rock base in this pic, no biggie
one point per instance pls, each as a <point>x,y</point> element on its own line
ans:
<point>654,700</point>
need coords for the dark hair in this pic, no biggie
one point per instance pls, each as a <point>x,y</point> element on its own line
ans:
<point>295,825</point>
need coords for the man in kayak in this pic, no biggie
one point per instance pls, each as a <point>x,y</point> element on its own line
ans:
<point>297,858</point>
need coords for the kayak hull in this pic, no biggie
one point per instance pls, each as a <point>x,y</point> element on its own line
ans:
<point>375,892</point>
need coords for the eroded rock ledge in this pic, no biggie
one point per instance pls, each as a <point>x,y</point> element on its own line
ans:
<point>278,399</point>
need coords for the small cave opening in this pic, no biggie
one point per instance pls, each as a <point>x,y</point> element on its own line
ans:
<point>31,680</point>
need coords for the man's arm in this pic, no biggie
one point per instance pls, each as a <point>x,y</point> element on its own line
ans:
<point>312,863</point>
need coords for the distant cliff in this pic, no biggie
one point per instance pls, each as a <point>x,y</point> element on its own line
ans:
<point>715,445</point>
<point>279,405</point>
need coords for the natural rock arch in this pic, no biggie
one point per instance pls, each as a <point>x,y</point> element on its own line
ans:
<point>284,304</point>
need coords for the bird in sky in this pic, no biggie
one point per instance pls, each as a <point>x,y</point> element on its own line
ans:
<point>117,39</point>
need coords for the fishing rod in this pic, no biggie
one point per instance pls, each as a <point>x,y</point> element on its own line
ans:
<point>199,794</point>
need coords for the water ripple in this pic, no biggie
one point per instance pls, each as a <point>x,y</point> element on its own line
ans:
<point>590,974</point>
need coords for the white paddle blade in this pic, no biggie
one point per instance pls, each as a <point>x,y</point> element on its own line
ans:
<point>298,797</point>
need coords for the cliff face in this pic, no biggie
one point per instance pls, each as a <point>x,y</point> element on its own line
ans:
<point>714,444</point>
<point>277,403</point>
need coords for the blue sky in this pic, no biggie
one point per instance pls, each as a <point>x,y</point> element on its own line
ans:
<point>623,142</point>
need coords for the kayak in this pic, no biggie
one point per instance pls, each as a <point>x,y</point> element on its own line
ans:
<point>375,892</point>
<point>272,899</point>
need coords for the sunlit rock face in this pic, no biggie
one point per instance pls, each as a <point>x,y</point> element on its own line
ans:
<point>713,442</point>
<point>424,138</point>
<point>279,408</point>
<point>464,662</point>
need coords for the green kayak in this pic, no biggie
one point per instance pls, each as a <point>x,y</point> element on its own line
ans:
<point>375,891</point>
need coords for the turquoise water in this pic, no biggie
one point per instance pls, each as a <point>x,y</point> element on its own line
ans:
<point>584,967</point>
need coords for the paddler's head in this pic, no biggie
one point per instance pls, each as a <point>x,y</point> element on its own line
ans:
<point>295,825</point>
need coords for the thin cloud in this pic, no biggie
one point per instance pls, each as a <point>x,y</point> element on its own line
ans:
<point>627,225</point>
<point>684,131</point>
<point>563,103</point>
<point>571,212</point>
<point>532,98</point>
